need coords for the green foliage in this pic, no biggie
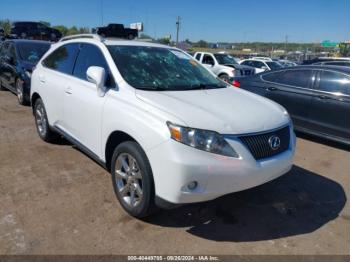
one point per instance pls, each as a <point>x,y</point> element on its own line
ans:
<point>72,31</point>
<point>201,43</point>
<point>6,25</point>
<point>145,36</point>
<point>164,41</point>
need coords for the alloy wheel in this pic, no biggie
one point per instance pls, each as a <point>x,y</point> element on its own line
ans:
<point>41,120</point>
<point>19,89</point>
<point>128,180</point>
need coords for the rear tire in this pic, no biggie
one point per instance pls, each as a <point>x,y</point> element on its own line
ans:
<point>20,92</point>
<point>1,87</point>
<point>133,180</point>
<point>224,77</point>
<point>42,124</point>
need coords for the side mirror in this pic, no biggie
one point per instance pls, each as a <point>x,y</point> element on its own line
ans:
<point>97,75</point>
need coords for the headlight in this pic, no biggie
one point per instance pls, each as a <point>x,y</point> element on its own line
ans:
<point>201,139</point>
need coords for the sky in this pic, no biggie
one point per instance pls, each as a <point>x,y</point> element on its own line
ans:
<point>211,20</point>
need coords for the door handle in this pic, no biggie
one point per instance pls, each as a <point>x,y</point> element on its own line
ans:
<point>68,90</point>
<point>271,89</point>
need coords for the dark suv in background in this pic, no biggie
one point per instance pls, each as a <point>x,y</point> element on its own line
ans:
<point>34,30</point>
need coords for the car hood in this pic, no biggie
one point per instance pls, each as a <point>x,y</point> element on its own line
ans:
<point>241,67</point>
<point>225,110</point>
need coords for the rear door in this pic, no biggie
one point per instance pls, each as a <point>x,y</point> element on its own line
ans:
<point>293,89</point>
<point>331,104</point>
<point>53,77</point>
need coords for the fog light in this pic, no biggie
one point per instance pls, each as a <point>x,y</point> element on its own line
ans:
<point>192,185</point>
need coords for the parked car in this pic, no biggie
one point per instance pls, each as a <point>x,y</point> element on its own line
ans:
<point>116,30</point>
<point>223,65</point>
<point>317,97</point>
<point>261,65</point>
<point>17,60</point>
<point>2,34</point>
<point>286,63</point>
<point>168,130</point>
<point>34,30</point>
<point>328,61</point>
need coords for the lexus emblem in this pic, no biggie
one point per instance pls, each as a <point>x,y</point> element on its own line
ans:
<point>274,142</point>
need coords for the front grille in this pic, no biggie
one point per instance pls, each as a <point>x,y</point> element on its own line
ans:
<point>247,72</point>
<point>259,144</point>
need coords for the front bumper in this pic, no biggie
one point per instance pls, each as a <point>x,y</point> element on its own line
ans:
<point>175,165</point>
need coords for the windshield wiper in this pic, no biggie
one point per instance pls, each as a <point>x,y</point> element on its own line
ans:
<point>205,86</point>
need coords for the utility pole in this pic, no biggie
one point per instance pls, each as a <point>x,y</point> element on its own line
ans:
<point>178,22</point>
<point>285,45</point>
<point>101,12</point>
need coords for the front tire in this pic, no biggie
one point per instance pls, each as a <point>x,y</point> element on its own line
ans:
<point>42,124</point>
<point>133,180</point>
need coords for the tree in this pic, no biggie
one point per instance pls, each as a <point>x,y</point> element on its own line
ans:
<point>84,30</point>
<point>62,29</point>
<point>145,36</point>
<point>73,31</point>
<point>164,40</point>
<point>202,43</point>
<point>6,25</point>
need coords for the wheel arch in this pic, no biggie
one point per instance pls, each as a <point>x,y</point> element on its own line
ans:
<point>33,99</point>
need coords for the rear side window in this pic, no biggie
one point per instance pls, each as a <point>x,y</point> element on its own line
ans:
<point>272,77</point>
<point>298,78</point>
<point>198,57</point>
<point>62,59</point>
<point>334,82</point>
<point>90,55</point>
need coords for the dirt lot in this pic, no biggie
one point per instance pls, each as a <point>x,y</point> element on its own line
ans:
<point>55,200</point>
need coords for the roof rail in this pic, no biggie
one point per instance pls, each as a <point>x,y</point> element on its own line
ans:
<point>79,36</point>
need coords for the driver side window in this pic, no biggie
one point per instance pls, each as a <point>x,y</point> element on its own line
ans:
<point>91,55</point>
<point>208,60</point>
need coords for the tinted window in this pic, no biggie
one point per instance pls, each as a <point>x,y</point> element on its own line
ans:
<point>198,57</point>
<point>258,64</point>
<point>248,63</point>
<point>272,77</point>
<point>207,59</point>
<point>274,65</point>
<point>299,78</point>
<point>90,55</point>
<point>335,82</point>
<point>62,59</point>
<point>32,52</point>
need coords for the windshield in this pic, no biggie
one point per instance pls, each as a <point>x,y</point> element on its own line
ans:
<point>274,65</point>
<point>32,52</point>
<point>161,69</point>
<point>225,59</point>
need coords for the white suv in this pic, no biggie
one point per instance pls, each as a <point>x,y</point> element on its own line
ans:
<point>167,130</point>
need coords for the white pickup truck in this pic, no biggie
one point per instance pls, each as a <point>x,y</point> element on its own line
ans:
<point>223,65</point>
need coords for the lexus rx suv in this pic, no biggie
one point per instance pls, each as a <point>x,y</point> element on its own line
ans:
<point>166,128</point>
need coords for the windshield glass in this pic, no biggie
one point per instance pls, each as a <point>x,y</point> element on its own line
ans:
<point>225,59</point>
<point>161,69</point>
<point>274,65</point>
<point>32,52</point>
